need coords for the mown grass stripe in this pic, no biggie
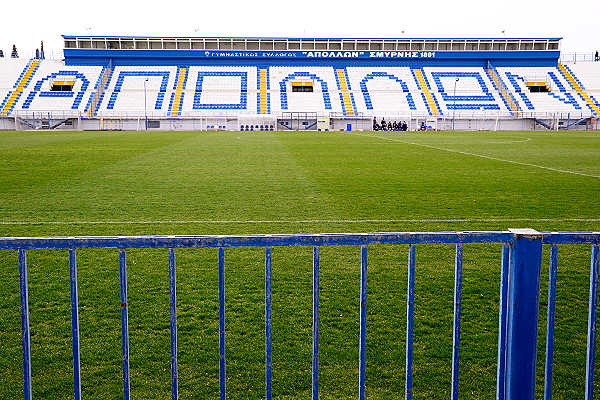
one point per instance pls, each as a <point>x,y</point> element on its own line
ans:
<point>298,221</point>
<point>478,155</point>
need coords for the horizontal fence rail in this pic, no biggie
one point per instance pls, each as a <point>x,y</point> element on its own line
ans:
<point>518,314</point>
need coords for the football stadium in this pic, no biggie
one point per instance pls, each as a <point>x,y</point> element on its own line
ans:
<point>241,84</point>
<point>295,218</point>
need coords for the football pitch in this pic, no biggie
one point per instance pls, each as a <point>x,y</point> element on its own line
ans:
<point>216,183</point>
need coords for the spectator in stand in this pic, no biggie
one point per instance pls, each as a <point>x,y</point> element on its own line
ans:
<point>1,54</point>
<point>376,125</point>
<point>15,53</point>
<point>596,58</point>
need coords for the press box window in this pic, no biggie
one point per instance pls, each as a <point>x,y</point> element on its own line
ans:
<point>62,86</point>
<point>302,86</point>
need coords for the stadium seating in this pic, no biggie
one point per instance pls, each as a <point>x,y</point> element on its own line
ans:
<point>132,90</point>
<point>385,89</point>
<point>37,95</point>
<point>465,89</point>
<point>203,91</point>
<point>220,91</point>
<point>587,74</point>
<point>12,69</point>
<point>320,100</point>
<point>561,97</point>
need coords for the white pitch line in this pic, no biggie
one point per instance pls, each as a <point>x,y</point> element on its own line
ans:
<point>309,221</point>
<point>525,139</point>
<point>478,155</point>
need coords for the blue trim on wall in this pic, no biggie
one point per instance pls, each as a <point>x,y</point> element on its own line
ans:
<point>338,59</point>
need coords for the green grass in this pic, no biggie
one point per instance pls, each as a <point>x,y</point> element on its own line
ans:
<point>140,183</point>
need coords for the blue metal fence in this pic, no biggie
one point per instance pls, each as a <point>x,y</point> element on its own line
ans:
<point>521,263</point>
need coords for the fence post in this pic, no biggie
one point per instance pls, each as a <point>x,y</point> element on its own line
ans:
<point>522,314</point>
<point>25,327</point>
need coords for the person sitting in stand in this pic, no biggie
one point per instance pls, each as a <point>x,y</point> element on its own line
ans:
<point>423,127</point>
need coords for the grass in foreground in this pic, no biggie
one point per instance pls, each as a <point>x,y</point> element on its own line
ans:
<point>133,183</point>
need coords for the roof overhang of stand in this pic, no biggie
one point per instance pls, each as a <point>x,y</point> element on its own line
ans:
<point>86,50</point>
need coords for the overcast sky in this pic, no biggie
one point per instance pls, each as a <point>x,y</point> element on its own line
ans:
<point>26,24</point>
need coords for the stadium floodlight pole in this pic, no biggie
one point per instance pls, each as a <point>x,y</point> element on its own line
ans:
<point>145,104</point>
<point>454,106</point>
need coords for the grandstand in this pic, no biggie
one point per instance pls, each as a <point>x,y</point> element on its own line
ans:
<point>291,83</point>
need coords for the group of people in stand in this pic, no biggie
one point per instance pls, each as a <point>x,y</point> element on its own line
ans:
<point>389,126</point>
<point>394,126</point>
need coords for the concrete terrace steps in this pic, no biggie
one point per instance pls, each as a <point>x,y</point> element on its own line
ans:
<point>179,88</point>
<point>428,96</point>
<point>345,92</point>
